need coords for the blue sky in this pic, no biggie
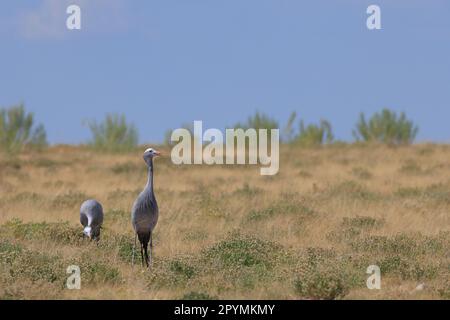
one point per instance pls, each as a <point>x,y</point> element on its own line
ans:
<point>164,63</point>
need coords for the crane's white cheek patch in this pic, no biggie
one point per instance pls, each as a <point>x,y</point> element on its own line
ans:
<point>87,231</point>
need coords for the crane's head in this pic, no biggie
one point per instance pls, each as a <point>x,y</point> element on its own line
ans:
<point>149,154</point>
<point>87,231</point>
<point>92,233</point>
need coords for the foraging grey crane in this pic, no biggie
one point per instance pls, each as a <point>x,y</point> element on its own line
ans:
<point>144,214</point>
<point>91,217</point>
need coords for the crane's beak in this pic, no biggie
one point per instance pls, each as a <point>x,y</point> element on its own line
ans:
<point>157,153</point>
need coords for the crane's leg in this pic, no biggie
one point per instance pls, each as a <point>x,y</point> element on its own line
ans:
<point>150,260</point>
<point>142,254</point>
<point>146,254</point>
<point>97,239</point>
<point>134,249</point>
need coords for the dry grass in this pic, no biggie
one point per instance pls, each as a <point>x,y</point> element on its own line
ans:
<point>227,232</point>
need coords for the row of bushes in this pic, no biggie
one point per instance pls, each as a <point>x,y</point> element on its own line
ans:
<point>18,130</point>
<point>382,127</point>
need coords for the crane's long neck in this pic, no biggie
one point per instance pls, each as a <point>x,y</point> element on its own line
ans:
<point>150,176</point>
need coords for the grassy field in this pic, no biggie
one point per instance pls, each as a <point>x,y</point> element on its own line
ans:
<point>226,232</point>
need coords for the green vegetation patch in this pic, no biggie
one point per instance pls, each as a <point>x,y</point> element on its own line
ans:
<point>323,274</point>
<point>18,130</point>
<point>242,251</point>
<point>413,257</point>
<point>59,232</point>
<point>17,262</point>
<point>113,134</point>
<point>236,262</point>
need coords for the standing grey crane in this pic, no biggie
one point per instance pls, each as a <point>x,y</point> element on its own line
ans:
<point>144,214</point>
<point>91,217</point>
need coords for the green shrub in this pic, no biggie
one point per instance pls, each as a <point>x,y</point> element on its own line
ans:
<point>174,272</point>
<point>17,262</point>
<point>242,251</point>
<point>113,134</point>
<point>94,272</point>
<point>321,285</point>
<point>125,249</point>
<point>60,232</point>
<point>38,266</point>
<point>259,121</point>
<point>314,135</point>
<point>409,246</point>
<point>182,268</point>
<point>310,135</point>
<point>386,127</point>
<point>321,274</point>
<point>17,130</point>
<point>9,252</point>
<point>240,261</point>
<point>407,269</point>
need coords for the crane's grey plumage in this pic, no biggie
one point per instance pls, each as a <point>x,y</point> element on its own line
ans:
<point>91,217</point>
<point>144,214</point>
